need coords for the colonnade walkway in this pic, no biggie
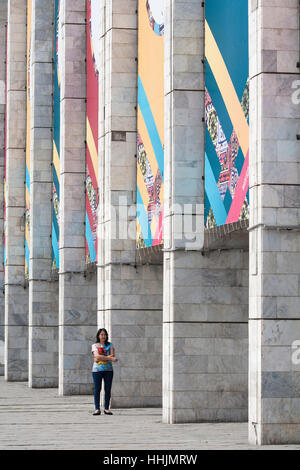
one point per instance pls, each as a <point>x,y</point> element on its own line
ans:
<point>39,419</point>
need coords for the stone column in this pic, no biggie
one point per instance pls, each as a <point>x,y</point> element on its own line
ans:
<point>3,23</point>
<point>274,369</point>
<point>129,296</point>
<point>16,291</point>
<point>77,288</point>
<point>43,287</point>
<point>205,292</point>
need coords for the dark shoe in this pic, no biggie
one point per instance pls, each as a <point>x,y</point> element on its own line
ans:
<point>108,412</point>
<point>97,413</point>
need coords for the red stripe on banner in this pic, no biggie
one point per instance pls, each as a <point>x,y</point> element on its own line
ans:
<point>159,231</point>
<point>240,193</point>
<point>92,86</point>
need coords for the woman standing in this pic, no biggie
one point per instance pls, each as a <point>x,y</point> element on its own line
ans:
<point>104,356</point>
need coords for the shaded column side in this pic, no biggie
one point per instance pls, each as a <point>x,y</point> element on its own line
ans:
<point>43,284</point>
<point>16,290</point>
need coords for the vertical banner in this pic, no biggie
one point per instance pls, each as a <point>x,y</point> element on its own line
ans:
<point>150,138</point>
<point>226,112</point>
<point>92,112</point>
<point>28,125</point>
<point>5,157</point>
<point>56,133</point>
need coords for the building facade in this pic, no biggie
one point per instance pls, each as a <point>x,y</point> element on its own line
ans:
<point>150,175</point>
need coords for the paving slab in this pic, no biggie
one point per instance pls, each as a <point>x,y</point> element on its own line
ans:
<point>39,419</point>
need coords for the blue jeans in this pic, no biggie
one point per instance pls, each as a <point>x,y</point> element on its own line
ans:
<point>107,375</point>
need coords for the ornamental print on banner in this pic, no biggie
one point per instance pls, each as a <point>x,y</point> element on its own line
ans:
<point>226,112</point>
<point>28,124</point>
<point>56,131</point>
<point>150,136</point>
<point>92,112</point>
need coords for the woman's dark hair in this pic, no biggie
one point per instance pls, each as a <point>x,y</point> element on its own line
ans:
<point>98,336</point>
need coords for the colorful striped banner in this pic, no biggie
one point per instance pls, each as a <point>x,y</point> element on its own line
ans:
<point>56,135</point>
<point>150,143</point>
<point>28,125</point>
<point>226,112</point>
<point>92,111</point>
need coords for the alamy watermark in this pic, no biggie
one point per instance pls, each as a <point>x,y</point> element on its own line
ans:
<point>184,221</point>
<point>296,93</point>
<point>296,352</point>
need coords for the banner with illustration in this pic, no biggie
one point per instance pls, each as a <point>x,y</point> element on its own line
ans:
<point>28,125</point>
<point>92,113</point>
<point>226,112</point>
<point>150,123</point>
<point>56,131</point>
<point>5,162</point>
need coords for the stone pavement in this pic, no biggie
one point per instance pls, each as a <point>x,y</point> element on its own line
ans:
<point>38,419</point>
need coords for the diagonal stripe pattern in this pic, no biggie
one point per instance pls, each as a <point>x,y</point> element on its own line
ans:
<point>56,149</point>
<point>92,111</point>
<point>150,150</point>
<point>226,161</point>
